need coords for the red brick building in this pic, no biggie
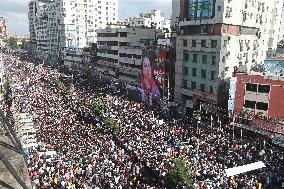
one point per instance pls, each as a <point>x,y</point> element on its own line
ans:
<point>260,94</point>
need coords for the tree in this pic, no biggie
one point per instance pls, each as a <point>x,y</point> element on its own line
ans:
<point>99,107</point>
<point>281,44</point>
<point>180,175</point>
<point>86,49</point>
<point>25,44</point>
<point>113,125</point>
<point>12,43</point>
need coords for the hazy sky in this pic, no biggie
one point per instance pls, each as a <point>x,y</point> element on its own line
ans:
<point>16,11</point>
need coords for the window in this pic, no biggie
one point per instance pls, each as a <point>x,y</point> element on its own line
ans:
<point>185,56</point>
<point>193,43</point>
<point>185,71</point>
<point>194,57</point>
<point>212,75</point>
<point>263,88</point>
<point>262,106</point>
<point>213,43</point>
<point>202,87</point>
<point>219,8</point>
<point>203,43</point>
<point>185,43</point>
<point>251,87</point>
<point>211,90</point>
<point>193,72</point>
<point>203,74</point>
<point>193,85</point>
<point>204,59</point>
<point>250,104</point>
<point>185,84</point>
<point>213,60</point>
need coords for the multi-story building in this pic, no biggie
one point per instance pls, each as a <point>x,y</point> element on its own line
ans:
<point>175,14</point>
<point>58,24</point>
<point>3,31</point>
<point>155,19</point>
<point>215,39</point>
<point>120,50</point>
<point>260,93</point>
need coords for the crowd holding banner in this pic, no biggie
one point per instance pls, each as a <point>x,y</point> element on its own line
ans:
<point>78,149</point>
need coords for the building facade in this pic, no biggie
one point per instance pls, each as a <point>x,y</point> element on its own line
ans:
<point>120,50</point>
<point>217,39</point>
<point>260,93</point>
<point>3,31</point>
<point>58,24</point>
<point>155,19</point>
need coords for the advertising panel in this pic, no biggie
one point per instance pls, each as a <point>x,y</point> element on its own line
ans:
<point>201,9</point>
<point>153,73</point>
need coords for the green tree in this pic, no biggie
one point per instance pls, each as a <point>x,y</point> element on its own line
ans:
<point>99,107</point>
<point>281,44</point>
<point>12,43</point>
<point>25,45</point>
<point>113,125</point>
<point>86,49</point>
<point>180,174</point>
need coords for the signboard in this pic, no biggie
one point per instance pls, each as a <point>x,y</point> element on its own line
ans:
<point>232,93</point>
<point>153,73</point>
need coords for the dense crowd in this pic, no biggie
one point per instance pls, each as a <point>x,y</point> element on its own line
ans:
<point>142,151</point>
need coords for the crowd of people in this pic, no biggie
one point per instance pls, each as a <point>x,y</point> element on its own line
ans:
<point>140,154</point>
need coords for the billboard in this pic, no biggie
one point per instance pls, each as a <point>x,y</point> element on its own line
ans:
<point>232,93</point>
<point>153,73</point>
<point>201,9</point>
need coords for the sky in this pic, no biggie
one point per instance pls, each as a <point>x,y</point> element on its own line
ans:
<point>16,12</point>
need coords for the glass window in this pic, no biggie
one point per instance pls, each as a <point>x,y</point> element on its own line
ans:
<point>185,43</point>
<point>262,106</point>
<point>211,90</point>
<point>263,88</point>
<point>201,9</point>
<point>202,87</point>
<point>194,57</point>
<point>251,87</point>
<point>194,72</point>
<point>193,85</point>
<point>204,59</point>
<point>185,84</point>
<point>213,43</point>
<point>193,43</point>
<point>203,43</point>
<point>213,60</point>
<point>186,56</point>
<point>203,74</point>
<point>250,104</point>
<point>212,75</point>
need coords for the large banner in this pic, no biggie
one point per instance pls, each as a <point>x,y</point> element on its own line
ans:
<point>153,73</point>
<point>201,9</point>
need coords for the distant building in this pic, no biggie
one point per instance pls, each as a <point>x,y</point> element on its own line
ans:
<point>153,19</point>
<point>216,38</point>
<point>57,24</point>
<point>75,59</point>
<point>119,52</point>
<point>258,93</point>
<point>3,31</point>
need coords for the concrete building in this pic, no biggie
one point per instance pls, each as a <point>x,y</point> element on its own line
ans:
<point>120,50</point>
<point>260,93</point>
<point>155,19</point>
<point>3,31</point>
<point>75,59</point>
<point>58,24</point>
<point>215,39</point>
<point>175,13</point>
